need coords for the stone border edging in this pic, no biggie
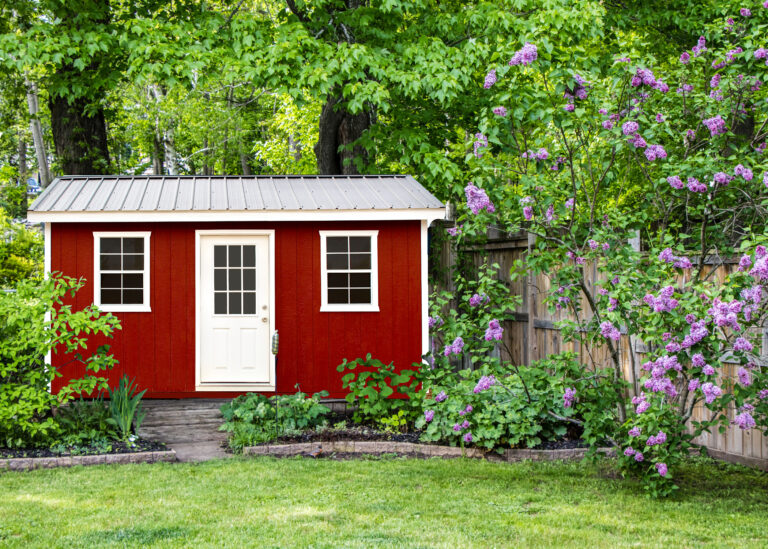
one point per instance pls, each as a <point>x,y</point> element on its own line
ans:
<point>27,464</point>
<point>413,449</point>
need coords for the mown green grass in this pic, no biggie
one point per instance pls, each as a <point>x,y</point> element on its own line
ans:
<point>264,502</point>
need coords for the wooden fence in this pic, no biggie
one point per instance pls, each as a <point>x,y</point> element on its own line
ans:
<point>532,334</point>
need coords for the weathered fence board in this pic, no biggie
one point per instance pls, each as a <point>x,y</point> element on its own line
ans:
<point>525,341</point>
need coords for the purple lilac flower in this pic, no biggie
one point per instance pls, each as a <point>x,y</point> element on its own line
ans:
<point>612,303</point>
<point>725,313</point>
<point>525,56</point>
<point>642,407</point>
<point>569,107</point>
<point>481,141</point>
<point>662,469</point>
<point>500,111</point>
<point>609,331</point>
<point>722,178</point>
<point>685,58</point>
<point>494,330</point>
<point>528,213</point>
<point>715,81</point>
<point>568,397</point>
<point>635,432</point>
<point>607,124</point>
<point>629,128</point>
<point>715,125</point>
<point>468,437</point>
<point>742,344</point>
<point>763,394</point>
<point>711,392</point>
<point>477,199</point>
<point>765,179</point>
<point>746,173</point>
<point>441,396</point>
<point>745,12</point>
<point>745,378</point>
<point>429,415</point>
<point>655,151</point>
<point>465,424</point>
<point>435,322</point>
<point>468,409</point>
<point>696,186</point>
<point>639,457</point>
<point>659,118</point>
<point>761,53</point>
<point>760,270</point>
<point>453,231</point>
<point>745,421</point>
<point>456,427</point>
<point>708,370</point>
<point>490,79</point>
<point>629,451</point>
<point>694,384</point>
<point>675,182</point>
<point>542,154</point>
<point>478,299</point>
<point>485,382</point>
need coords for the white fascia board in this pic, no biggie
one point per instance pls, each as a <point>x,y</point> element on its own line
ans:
<point>426,214</point>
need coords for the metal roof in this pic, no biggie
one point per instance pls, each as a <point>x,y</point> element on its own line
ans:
<point>258,193</point>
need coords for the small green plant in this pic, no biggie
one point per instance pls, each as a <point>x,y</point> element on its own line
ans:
<point>396,423</point>
<point>84,422</point>
<point>253,418</point>
<point>379,391</point>
<point>125,407</point>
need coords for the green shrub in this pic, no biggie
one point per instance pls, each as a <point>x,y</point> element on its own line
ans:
<point>85,422</point>
<point>21,252</point>
<point>125,407</point>
<point>379,392</point>
<point>253,418</point>
<point>33,321</point>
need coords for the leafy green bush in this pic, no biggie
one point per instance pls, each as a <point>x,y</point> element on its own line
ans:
<point>85,422</point>
<point>13,193</point>
<point>253,418</point>
<point>125,407</point>
<point>21,252</point>
<point>522,408</point>
<point>378,391</point>
<point>33,321</point>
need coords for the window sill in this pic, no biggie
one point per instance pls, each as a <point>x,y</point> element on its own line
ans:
<point>349,309</point>
<point>124,308</point>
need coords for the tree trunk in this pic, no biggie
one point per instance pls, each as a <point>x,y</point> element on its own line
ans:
<point>22,153</point>
<point>80,136</point>
<point>338,129</point>
<point>158,154</point>
<point>37,133</point>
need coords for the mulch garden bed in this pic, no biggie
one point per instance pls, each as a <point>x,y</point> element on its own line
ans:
<point>140,445</point>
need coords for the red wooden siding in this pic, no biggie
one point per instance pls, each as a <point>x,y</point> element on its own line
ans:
<point>158,348</point>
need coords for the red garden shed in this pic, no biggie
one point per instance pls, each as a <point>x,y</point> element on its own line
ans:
<point>203,271</point>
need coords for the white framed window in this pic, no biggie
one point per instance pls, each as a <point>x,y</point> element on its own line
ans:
<point>349,270</point>
<point>121,271</point>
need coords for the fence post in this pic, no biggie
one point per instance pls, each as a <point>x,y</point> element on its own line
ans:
<point>533,349</point>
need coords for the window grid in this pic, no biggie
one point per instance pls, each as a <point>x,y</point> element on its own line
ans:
<point>349,270</point>
<point>121,270</point>
<point>234,280</point>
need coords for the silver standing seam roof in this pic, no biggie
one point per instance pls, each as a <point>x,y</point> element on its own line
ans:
<point>257,193</point>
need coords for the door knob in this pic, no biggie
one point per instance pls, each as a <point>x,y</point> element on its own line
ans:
<point>265,319</point>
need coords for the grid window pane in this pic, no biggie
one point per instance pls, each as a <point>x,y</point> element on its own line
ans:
<point>111,281</point>
<point>235,300</point>
<point>249,303</point>
<point>338,261</point>
<point>249,279</point>
<point>359,295</point>
<point>336,244</point>
<point>133,262</point>
<point>338,280</point>
<point>110,246</point>
<point>133,245</point>
<point>336,296</point>
<point>110,262</point>
<point>249,256</point>
<point>220,280</point>
<point>234,256</point>
<point>234,279</point>
<point>133,297</point>
<point>110,297</point>
<point>360,244</point>
<point>133,281</point>
<point>360,261</point>
<point>219,256</point>
<point>220,303</point>
<point>360,280</point>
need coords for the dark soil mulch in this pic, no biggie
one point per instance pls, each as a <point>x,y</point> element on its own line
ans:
<point>352,433</point>
<point>564,444</point>
<point>140,445</point>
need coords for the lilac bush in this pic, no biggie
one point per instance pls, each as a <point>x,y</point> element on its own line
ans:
<point>687,172</point>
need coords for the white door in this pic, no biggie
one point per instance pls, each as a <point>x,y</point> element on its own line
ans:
<point>234,309</point>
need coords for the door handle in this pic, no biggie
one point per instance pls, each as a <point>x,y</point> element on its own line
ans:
<point>265,319</point>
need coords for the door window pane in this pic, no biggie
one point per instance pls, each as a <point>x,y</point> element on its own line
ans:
<point>249,303</point>
<point>249,256</point>
<point>219,256</point>
<point>234,256</point>
<point>220,303</point>
<point>235,299</point>
<point>249,279</point>
<point>220,280</point>
<point>234,279</point>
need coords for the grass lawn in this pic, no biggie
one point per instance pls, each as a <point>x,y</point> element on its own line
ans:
<point>267,502</point>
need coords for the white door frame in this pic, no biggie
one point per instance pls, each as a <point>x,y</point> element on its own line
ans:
<point>199,386</point>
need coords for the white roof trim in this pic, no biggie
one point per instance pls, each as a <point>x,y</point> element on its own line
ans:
<point>428,214</point>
